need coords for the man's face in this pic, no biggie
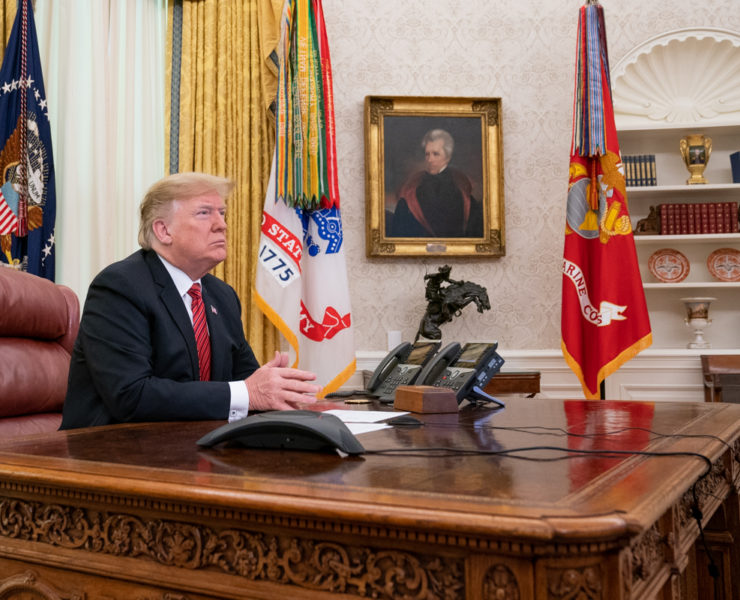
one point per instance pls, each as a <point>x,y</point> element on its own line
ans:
<point>435,157</point>
<point>195,234</point>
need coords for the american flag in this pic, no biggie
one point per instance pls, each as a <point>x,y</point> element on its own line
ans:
<point>8,220</point>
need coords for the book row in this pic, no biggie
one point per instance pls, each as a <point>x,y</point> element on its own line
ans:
<point>706,217</point>
<point>639,170</point>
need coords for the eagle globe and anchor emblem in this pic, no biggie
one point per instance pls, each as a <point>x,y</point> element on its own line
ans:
<point>590,216</point>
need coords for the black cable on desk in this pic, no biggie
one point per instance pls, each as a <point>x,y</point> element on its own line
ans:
<point>548,430</point>
<point>697,514</point>
<point>553,430</point>
<point>511,452</point>
<point>444,452</point>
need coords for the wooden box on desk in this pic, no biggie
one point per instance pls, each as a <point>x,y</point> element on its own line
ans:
<point>425,399</point>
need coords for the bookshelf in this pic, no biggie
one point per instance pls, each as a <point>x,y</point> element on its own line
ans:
<point>664,299</point>
<point>652,114</point>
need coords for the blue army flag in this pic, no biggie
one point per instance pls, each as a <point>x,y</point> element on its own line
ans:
<point>27,192</point>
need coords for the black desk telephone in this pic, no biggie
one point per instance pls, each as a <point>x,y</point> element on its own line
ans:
<point>400,366</point>
<point>466,369</point>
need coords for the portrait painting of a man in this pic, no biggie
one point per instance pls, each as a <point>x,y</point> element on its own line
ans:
<point>433,177</point>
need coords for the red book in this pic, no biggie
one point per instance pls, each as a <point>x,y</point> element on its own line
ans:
<point>704,217</point>
<point>723,217</point>
<point>733,218</point>
<point>712,209</point>
<point>719,211</point>
<point>667,208</point>
<point>697,217</point>
<point>727,217</point>
<point>691,210</point>
<point>682,219</point>
<point>663,208</point>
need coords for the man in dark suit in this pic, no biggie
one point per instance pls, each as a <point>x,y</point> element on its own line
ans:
<point>136,357</point>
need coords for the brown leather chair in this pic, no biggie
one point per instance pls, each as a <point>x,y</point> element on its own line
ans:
<point>38,326</point>
<point>721,374</point>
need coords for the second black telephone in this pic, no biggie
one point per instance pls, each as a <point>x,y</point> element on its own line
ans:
<point>400,367</point>
<point>465,369</point>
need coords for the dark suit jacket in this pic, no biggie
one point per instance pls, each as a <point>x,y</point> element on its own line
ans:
<point>135,357</point>
<point>435,206</point>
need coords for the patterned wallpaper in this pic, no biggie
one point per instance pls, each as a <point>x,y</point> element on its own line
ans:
<point>522,52</point>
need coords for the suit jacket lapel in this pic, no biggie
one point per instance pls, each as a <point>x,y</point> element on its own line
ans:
<point>175,307</point>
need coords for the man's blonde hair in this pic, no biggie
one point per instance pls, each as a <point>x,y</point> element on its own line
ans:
<point>179,186</point>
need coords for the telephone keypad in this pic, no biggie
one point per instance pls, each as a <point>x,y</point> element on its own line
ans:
<point>401,375</point>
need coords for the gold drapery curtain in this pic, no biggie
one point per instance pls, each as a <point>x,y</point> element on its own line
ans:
<point>7,16</point>
<point>217,120</point>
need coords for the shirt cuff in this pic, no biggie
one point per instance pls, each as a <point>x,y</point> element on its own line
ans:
<point>239,400</point>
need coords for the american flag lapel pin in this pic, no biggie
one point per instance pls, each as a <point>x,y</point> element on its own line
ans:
<point>213,310</point>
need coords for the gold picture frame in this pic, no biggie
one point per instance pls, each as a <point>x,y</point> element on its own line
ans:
<point>468,215</point>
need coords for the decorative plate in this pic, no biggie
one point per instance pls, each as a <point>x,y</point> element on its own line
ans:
<point>668,265</point>
<point>724,264</point>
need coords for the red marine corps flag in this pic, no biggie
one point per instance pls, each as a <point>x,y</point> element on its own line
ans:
<point>301,281</point>
<point>604,316</point>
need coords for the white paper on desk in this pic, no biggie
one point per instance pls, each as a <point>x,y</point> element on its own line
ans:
<point>364,416</point>
<point>358,428</point>
<point>365,421</point>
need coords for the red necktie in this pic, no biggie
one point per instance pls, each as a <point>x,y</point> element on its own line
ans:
<point>201,332</point>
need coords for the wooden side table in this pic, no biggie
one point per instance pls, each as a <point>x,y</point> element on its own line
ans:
<point>514,382</point>
<point>721,377</point>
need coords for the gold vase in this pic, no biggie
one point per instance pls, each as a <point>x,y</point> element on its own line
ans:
<point>695,151</point>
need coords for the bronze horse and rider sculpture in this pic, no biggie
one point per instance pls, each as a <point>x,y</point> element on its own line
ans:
<point>446,302</point>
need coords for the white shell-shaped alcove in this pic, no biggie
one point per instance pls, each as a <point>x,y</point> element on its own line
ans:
<point>686,76</point>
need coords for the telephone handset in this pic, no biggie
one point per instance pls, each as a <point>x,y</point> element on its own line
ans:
<point>465,369</point>
<point>433,370</point>
<point>400,367</point>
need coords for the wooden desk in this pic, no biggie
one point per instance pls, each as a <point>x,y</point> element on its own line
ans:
<point>139,512</point>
